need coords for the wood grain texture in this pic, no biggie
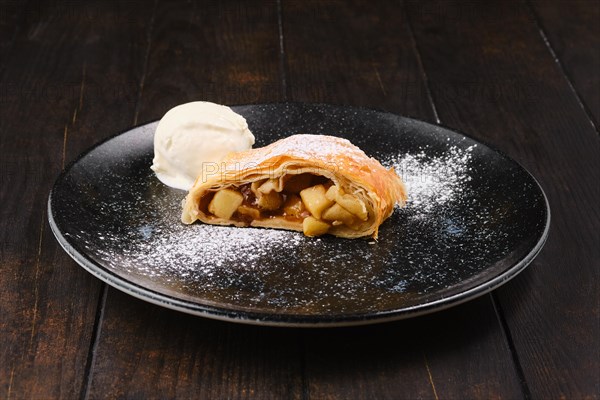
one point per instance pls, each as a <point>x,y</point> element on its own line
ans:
<point>573,33</point>
<point>227,53</point>
<point>353,53</point>
<point>11,19</point>
<point>221,52</point>
<point>148,352</point>
<point>444,355</point>
<point>493,77</point>
<point>362,54</point>
<point>56,96</point>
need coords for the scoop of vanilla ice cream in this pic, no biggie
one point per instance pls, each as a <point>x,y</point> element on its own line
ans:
<point>193,138</point>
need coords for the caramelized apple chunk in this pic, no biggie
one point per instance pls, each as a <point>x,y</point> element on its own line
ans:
<point>255,185</point>
<point>313,227</point>
<point>270,201</point>
<point>269,186</point>
<point>333,192</point>
<point>293,206</point>
<point>315,201</point>
<point>225,203</point>
<point>354,205</point>
<point>351,203</point>
<point>338,213</point>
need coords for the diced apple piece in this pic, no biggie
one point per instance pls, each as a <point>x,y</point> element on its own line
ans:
<point>249,211</point>
<point>338,213</point>
<point>333,192</point>
<point>313,227</point>
<point>270,201</point>
<point>297,183</point>
<point>255,185</point>
<point>225,203</point>
<point>354,205</point>
<point>293,206</point>
<point>349,202</point>
<point>269,186</point>
<point>314,200</point>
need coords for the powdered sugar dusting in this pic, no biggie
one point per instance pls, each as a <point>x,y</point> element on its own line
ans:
<point>319,147</point>
<point>432,181</point>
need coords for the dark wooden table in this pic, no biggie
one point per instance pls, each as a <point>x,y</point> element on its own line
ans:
<point>521,75</point>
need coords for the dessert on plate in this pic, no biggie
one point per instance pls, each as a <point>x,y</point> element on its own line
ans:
<point>315,184</point>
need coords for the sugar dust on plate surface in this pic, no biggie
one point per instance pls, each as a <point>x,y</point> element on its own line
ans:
<point>432,182</point>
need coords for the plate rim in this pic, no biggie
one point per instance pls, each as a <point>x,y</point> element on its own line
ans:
<point>294,320</point>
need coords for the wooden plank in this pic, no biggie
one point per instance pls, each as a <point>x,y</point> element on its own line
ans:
<point>573,34</point>
<point>150,352</point>
<point>57,99</point>
<point>352,53</point>
<point>11,16</point>
<point>493,77</point>
<point>362,54</point>
<point>226,53</point>
<point>458,353</point>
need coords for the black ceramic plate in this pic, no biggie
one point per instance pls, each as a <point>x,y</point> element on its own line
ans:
<point>474,219</point>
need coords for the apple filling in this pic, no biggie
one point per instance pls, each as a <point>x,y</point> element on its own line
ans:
<point>305,201</point>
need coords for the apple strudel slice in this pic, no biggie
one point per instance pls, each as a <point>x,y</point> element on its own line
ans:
<point>315,184</point>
